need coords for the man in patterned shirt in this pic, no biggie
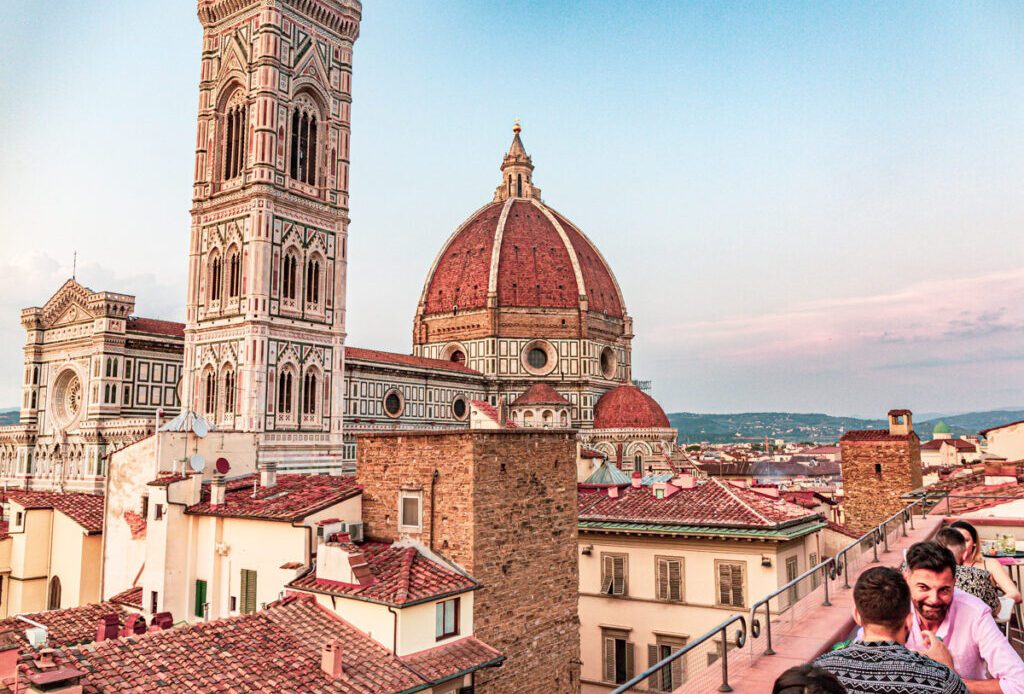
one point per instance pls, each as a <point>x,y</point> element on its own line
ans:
<point>879,662</point>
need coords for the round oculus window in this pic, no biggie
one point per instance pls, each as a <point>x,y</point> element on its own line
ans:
<point>537,358</point>
<point>393,404</point>
<point>459,408</point>
<point>608,362</point>
<point>67,402</point>
<point>458,356</point>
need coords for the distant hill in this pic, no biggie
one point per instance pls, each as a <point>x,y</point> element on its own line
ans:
<point>9,416</point>
<point>792,426</point>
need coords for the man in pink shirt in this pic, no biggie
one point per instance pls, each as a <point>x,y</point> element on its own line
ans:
<point>981,654</point>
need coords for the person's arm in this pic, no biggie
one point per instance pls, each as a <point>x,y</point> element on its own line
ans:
<point>1001,577</point>
<point>1003,663</point>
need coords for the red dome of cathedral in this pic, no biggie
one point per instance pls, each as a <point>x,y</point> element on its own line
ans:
<point>628,407</point>
<point>522,253</point>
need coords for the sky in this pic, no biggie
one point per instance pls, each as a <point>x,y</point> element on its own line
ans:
<point>809,207</point>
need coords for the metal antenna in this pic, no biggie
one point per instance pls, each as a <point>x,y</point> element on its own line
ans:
<point>74,265</point>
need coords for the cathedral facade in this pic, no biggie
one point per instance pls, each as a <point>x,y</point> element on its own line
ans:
<point>519,312</point>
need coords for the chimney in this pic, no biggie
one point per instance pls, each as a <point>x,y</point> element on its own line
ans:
<point>107,628</point>
<point>900,422</point>
<point>330,660</point>
<point>613,492</point>
<point>338,560</point>
<point>685,480</point>
<point>134,624</point>
<point>268,474</point>
<point>635,479</point>
<point>63,680</point>
<point>218,486</point>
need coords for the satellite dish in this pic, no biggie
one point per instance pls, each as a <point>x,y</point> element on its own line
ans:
<point>223,466</point>
<point>199,427</point>
<point>197,463</point>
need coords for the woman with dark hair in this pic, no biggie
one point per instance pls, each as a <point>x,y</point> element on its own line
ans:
<point>998,574</point>
<point>807,679</point>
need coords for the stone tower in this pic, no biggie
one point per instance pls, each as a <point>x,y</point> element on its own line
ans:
<point>879,466</point>
<point>267,261</point>
<point>502,505</point>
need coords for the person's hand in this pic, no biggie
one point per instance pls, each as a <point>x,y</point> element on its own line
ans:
<point>935,649</point>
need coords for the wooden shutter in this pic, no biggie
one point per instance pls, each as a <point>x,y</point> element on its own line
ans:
<point>248,585</point>
<point>629,660</point>
<point>737,585</point>
<point>619,575</point>
<point>663,587</point>
<point>676,668</point>
<point>652,660</point>
<point>607,571</point>
<point>200,598</point>
<point>609,659</point>
<point>724,581</point>
<point>675,580</point>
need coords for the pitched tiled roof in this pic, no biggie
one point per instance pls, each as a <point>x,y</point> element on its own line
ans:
<point>400,576</point>
<point>540,394</point>
<point>711,503</point>
<point>166,479</point>
<point>156,327</point>
<point>983,432</point>
<point>491,412</point>
<point>628,407</point>
<point>293,497</point>
<point>131,597</point>
<point>955,503</point>
<point>743,468</point>
<point>444,662</point>
<point>406,360</point>
<point>136,524</point>
<point>274,650</point>
<point>84,509</point>
<point>857,435</point>
<point>959,444</point>
<point>806,498</point>
<point>842,529</point>
<point>69,626</point>
<point>4,530</point>
<point>796,469</point>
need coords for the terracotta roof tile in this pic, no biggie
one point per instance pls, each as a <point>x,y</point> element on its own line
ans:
<point>131,597</point>
<point>400,576</point>
<point>167,479</point>
<point>407,360</point>
<point>492,412</point>
<point>444,662</point>
<point>983,432</point>
<point>69,626</point>
<point>277,650</point>
<point>711,503</point>
<point>293,497</point>
<point>540,394</point>
<point>156,327</point>
<point>136,524</point>
<point>842,529</point>
<point>84,509</point>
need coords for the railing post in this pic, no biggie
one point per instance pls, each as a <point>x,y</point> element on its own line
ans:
<point>948,513</point>
<point>768,627</point>
<point>903,522</point>
<point>827,603</point>
<point>874,545</point>
<point>725,687</point>
<point>910,515</point>
<point>885,538</point>
<point>846,572</point>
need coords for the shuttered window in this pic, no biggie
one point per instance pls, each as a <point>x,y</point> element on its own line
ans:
<point>672,675</point>
<point>730,575</point>
<point>248,590</point>
<point>613,574</point>
<point>669,577</point>
<point>812,560</point>
<point>617,656</point>
<point>200,606</point>
<point>792,571</point>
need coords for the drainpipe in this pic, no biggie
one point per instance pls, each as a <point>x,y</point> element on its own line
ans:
<point>394,627</point>
<point>433,482</point>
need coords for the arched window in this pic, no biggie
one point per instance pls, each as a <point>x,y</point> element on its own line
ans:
<point>215,276</point>
<point>229,390</point>
<point>33,405</point>
<point>289,267</point>
<point>284,392</point>
<point>309,393</point>
<point>53,603</point>
<point>234,273</point>
<point>234,136</point>
<point>116,362</point>
<point>35,376</point>
<point>519,186</point>
<point>638,462</point>
<point>110,367</point>
<point>210,394</point>
<point>313,281</point>
<point>303,142</point>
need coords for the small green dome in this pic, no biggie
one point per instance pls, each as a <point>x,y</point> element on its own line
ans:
<point>941,428</point>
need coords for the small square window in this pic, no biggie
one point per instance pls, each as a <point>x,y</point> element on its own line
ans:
<point>446,622</point>
<point>158,512</point>
<point>410,511</point>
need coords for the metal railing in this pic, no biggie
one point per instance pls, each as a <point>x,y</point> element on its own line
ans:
<point>826,568</point>
<point>658,668</point>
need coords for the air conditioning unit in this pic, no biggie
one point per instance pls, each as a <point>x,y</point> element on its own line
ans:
<point>355,531</point>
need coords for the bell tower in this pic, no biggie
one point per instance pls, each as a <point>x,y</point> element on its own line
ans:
<point>265,317</point>
<point>516,171</point>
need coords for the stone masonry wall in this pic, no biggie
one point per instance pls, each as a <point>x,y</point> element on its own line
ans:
<point>870,498</point>
<point>506,512</point>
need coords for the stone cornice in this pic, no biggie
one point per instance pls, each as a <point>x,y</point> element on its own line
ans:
<point>341,17</point>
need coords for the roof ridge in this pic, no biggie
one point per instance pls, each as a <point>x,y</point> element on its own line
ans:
<point>741,501</point>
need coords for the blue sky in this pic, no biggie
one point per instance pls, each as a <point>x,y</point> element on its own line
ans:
<point>809,206</point>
